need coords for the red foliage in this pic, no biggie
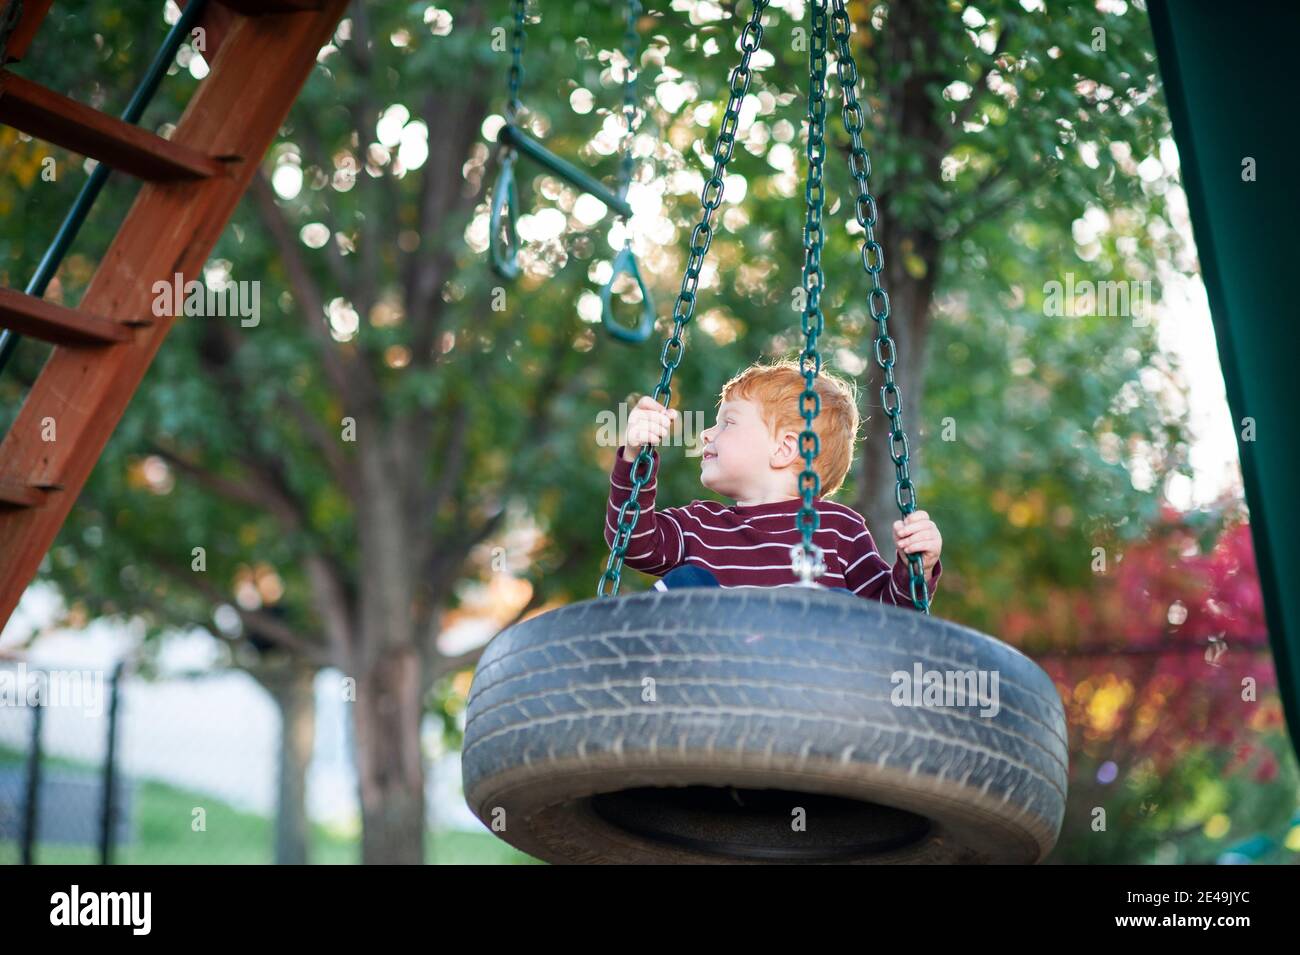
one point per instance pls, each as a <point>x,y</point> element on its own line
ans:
<point>1156,656</point>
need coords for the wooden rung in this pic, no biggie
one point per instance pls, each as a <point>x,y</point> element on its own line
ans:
<point>37,318</point>
<point>236,111</point>
<point>216,21</point>
<point>253,8</point>
<point>29,22</point>
<point>17,494</point>
<point>51,116</point>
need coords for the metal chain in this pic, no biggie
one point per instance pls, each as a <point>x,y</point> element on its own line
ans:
<point>873,260</point>
<point>751,38</point>
<point>806,558</point>
<point>503,236</point>
<point>625,262</point>
<point>516,77</point>
<point>631,114</point>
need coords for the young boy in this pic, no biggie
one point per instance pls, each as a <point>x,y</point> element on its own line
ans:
<point>752,455</point>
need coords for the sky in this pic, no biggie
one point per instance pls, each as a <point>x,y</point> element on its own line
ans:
<point>1185,330</point>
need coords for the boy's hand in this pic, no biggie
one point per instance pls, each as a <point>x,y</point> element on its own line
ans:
<point>649,423</point>
<point>919,535</point>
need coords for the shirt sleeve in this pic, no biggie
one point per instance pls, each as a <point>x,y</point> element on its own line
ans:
<point>657,544</point>
<point>868,575</point>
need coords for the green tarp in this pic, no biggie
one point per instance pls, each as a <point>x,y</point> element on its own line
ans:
<point>1229,75</point>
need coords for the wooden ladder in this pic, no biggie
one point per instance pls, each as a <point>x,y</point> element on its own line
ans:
<point>260,52</point>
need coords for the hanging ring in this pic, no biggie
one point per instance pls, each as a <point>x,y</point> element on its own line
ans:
<point>625,262</point>
<point>505,206</point>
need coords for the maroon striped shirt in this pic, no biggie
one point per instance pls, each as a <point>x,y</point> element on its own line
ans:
<point>749,545</point>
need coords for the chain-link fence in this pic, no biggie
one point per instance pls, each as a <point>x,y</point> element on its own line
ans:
<point>55,766</point>
<point>210,767</point>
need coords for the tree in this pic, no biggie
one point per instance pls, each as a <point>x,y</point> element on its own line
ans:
<point>347,459</point>
<point>995,126</point>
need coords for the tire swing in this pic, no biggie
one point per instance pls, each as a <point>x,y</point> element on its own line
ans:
<point>756,724</point>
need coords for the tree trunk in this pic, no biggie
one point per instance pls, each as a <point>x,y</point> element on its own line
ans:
<point>389,763</point>
<point>297,701</point>
<point>910,29</point>
<point>292,685</point>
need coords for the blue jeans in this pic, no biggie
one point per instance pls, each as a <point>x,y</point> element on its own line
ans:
<point>689,575</point>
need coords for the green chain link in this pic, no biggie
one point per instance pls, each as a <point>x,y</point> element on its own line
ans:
<point>625,262</point>
<point>503,234</point>
<point>873,260</point>
<point>631,114</point>
<point>516,77</point>
<point>751,38</point>
<point>806,558</point>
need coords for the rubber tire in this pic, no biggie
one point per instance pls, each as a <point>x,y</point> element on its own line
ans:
<point>763,688</point>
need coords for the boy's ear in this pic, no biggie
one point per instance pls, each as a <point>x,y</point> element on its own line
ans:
<point>787,452</point>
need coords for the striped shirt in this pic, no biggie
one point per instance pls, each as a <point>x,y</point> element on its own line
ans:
<point>749,545</point>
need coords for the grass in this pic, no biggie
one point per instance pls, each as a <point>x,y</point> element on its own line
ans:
<point>162,817</point>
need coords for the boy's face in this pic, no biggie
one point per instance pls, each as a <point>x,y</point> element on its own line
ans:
<point>737,451</point>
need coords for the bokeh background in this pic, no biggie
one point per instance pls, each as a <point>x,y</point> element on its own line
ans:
<point>1080,462</point>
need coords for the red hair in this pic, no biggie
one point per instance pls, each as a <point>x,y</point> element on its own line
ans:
<point>776,389</point>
